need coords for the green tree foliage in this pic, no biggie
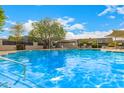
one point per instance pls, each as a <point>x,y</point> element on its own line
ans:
<point>2,18</point>
<point>95,44</point>
<point>47,31</point>
<point>114,44</point>
<point>13,38</point>
<point>16,32</point>
<point>84,42</point>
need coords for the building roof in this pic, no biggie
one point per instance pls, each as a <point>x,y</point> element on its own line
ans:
<point>117,33</point>
<point>68,41</point>
<point>99,40</point>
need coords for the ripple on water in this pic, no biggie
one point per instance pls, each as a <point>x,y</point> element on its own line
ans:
<point>70,68</point>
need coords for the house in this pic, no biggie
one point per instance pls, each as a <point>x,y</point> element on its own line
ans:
<point>118,37</point>
<point>68,43</point>
<point>99,41</point>
<point>5,44</point>
<point>103,41</point>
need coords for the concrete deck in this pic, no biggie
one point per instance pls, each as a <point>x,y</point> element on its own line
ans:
<point>7,52</point>
<point>14,51</point>
<point>106,49</point>
<point>113,50</point>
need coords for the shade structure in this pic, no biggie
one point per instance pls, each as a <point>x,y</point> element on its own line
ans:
<point>117,34</point>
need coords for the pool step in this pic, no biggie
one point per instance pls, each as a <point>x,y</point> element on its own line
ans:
<point>14,61</point>
<point>16,81</point>
<point>4,85</point>
<point>27,81</point>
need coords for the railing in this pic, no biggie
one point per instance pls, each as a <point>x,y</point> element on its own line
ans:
<point>24,66</point>
<point>4,84</point>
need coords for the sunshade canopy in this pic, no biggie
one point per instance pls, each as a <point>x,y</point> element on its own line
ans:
<point>117,33</point>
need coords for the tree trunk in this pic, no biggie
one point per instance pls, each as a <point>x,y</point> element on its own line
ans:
<point>115,43</point>
<point>49,43</point>
<point>46,44</point>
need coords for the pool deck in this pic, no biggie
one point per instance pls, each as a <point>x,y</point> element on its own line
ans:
<point>7,52</point>
<point>102,49</point>
<point>113,50</point>
<point>14,51</point>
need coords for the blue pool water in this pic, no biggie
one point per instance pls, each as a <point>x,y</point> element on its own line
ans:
<point>64,69</point>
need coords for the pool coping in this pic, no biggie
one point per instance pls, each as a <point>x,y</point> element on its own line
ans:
<point>101,49</point>
<point>6,52</point>
<point>113,50</point>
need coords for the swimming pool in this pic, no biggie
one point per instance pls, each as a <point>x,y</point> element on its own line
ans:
<point>72,68</point>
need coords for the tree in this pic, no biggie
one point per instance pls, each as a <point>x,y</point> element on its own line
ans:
<point>16,31</point>
<point>2,18</point>
<point>12,38</point>
<point>47,31</point>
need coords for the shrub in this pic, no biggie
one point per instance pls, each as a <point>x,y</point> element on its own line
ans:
<point>112,44</point>
<point>96,46</point>
<point>20,47</point>
<point>83,42</point>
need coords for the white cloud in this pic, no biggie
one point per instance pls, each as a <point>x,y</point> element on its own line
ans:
<point>121,29</point>
<point>108,9</point>
<point>11,22</point>
<point>3,37</point>
<point>67,24</point>
<point>7,16</point>
<point>70,35</point>
<point>65,20</point>
<point>111,9</point>
<point>121,24</point>
<point>28,25</point>
<point>95,34</point>
<point>6,29</point>
<point>77,27</point>
<point>112,17</point>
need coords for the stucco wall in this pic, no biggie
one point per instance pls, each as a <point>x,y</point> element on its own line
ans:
<point>7,47</point>
<point>117,39</point>
<point>33,47</point>
<point>69,45</point>
<point>13,47</point>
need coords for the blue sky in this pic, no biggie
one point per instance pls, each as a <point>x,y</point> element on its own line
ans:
<point>79,21</point>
